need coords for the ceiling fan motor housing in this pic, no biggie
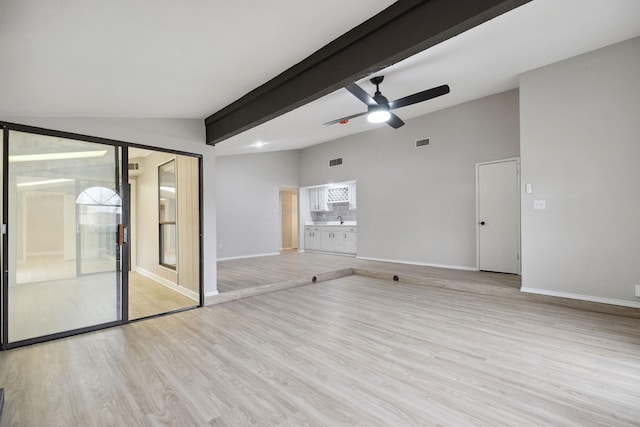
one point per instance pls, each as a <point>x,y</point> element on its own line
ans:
<point>381,99</point>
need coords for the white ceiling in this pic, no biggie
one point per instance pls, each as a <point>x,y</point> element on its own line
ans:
<point>156,58</point>
<point>79,58</point>
<point>482,61</point>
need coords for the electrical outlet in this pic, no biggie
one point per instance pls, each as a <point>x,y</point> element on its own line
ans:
<point>638,290</point>
<point>539,204</point>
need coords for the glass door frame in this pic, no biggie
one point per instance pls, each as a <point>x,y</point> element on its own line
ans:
<point>123,263</point>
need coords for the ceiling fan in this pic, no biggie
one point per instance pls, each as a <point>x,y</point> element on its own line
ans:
<point>379,108</point>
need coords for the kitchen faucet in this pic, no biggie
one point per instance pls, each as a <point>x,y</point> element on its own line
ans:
<point>340,218</point>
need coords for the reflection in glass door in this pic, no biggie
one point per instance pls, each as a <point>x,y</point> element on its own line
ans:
<point>64,211</point>
<point>165,207</point>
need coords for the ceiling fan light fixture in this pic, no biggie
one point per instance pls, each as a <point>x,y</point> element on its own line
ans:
<point>378,114</point>
<point>378,106</point>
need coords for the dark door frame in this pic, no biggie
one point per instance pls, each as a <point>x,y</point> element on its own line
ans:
<point>123,265</point>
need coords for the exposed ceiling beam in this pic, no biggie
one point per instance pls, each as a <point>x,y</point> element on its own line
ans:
<point>398,32</point>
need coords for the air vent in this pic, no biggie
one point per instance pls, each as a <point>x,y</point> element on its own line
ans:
<point>335,162</point>
<point>135,168</point>
<point>422,142</point>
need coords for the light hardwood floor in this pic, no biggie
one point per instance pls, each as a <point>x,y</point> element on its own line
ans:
<point>245,273</point>
<point>65,302</point>
<point>148,298</point>
<point>254,276</point>
<point>352,351</point>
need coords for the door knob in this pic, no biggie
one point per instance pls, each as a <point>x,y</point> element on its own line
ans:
<point>481,222</point>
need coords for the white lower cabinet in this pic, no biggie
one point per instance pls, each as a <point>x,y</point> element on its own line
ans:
<point>312,238</point>
<point>350,242</point>
<point>328,241</point>
<point>336,239</point>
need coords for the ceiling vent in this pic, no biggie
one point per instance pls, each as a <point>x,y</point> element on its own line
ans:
<point>422,142</point>
<point>335,162</point>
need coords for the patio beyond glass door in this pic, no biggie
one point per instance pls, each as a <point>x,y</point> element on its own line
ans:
<point>64,246</point>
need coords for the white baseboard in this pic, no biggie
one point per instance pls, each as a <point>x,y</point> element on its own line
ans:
<point>590,298</point>
<point>247,256</point>
<point>45,253</point>
<point>211,294</point>
<point>169,284</point>
<point>423,264</point>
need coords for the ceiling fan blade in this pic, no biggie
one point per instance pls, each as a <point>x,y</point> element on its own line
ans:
<point>395,121</point>
<point>353,116</point>
<point>420,96</point>
<point>360,93</point>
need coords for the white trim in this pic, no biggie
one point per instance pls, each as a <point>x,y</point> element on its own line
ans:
<point>133,225</point>
<point>424,264</point>
<point>169,284</point>
<point>590,298</point>
<point>519,183</point>
<point>247,256</point>
<point>211,294</point>
<point>45,253</point>
<point>169,269</point>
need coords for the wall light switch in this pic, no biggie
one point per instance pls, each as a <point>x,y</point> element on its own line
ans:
<point>539,204</point>
<point>638,290</point>
<point>529,189</point>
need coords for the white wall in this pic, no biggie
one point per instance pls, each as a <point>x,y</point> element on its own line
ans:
<point>418,205</point>
<point>580,144</point>
<point>248,201</point>
<point>186,135</point>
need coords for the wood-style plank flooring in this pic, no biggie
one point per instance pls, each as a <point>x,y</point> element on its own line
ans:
<point>352,351</point>
<point>148,297</point>
<point>251,272</point>
<point>247,277</point>
<point>65,302</point>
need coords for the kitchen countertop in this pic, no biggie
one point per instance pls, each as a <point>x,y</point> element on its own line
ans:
<point>333,223</point>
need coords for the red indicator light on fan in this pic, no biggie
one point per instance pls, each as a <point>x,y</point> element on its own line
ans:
<point>344,122</point>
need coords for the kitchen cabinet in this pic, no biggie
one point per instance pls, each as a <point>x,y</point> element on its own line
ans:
<point>350,244</point>
<point>338,194</point>
<point>329,241</point>
<point>352,196</point>
<point>312,238</point>
<point>333,239</point>
<point>318,200</point>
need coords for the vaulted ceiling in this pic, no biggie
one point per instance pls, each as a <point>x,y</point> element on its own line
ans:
<point>166,59</point>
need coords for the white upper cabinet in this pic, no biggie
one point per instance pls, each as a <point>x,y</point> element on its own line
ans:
<point>318,200</point>
<point>321,198</point>
<point>338,194</point>
<point>352,196</point>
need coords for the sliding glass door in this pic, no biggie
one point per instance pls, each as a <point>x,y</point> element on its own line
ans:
<point>72,207</point>
<point>64,216</point>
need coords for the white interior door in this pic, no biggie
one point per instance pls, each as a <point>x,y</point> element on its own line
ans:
<point>498,207</point>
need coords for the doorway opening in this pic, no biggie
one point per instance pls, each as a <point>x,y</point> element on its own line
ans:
<point>289,224</point>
